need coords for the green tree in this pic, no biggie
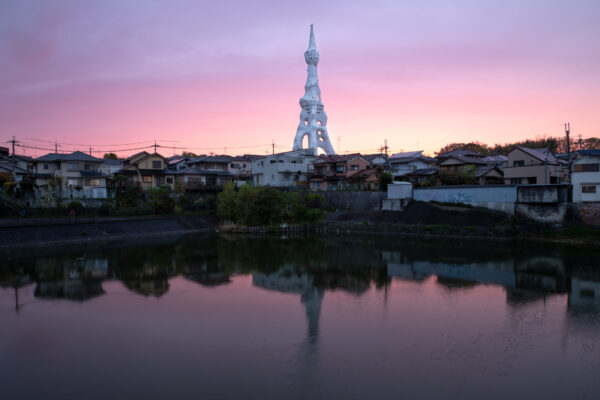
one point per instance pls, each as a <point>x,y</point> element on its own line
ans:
<point>110,156</point>
<point>161,200</point>
<point>227,203</point>
<point>385,178</point>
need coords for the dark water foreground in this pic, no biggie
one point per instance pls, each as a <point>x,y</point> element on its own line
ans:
<point>314,318</point>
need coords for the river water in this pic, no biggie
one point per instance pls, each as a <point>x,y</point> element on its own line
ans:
<point>301,318</point>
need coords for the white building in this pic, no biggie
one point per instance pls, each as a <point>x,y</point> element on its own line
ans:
<point>409,162</point>
<point>290,168</point>
<point>585,176</point>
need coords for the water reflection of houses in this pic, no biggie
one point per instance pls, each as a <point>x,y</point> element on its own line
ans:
<point>207,273</point>
<point>74,279</point>
<point>147,280</point>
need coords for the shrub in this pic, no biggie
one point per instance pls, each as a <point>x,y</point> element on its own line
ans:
<point>161,200</point>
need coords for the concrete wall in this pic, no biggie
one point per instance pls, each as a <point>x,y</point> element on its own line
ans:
<point>543,194</point>
<point>400,190</point>
<point>354,201</point>
<point>494,197</point>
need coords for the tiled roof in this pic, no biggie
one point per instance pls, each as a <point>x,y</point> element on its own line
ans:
<point>337,157</point>
<point>75,156</point>
<point>214,159</point>
<point>590,152</point>
<point>407,154</point>
<point>542,154</point>
<point>200,171</point>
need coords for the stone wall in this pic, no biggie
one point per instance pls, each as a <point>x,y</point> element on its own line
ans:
<point>354,201</point>
<point>587,214</point>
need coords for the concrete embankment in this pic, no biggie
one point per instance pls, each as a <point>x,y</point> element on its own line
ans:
<point>17,234</point>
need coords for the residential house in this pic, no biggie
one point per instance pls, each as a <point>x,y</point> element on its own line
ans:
<point>241,168</point>
<point>331,172</point>
<point>74,175</point>
<point>17,165</point>
<point>466,166</point>
<point>285,169</point>
<point>109,166</point>
<point>535,166</point>
<point>585,176</point>
<point>205,173</point>
<point>365,179</point>
<point>147,170</point>
<point>405,163</point>
<point>377,160</point>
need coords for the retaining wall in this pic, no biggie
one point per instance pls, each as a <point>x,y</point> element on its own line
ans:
<point>354,201</point>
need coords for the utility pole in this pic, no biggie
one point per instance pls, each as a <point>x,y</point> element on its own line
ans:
<point>55,147</point>
<point>580,141</point>
<point>90,150</point>
<point>155,145</point>
<point>273,145</point>
<point>13,142</point>
<point>568,132</point>
<point>385,146</point>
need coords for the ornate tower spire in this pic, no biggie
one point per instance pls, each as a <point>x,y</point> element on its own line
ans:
<point>313,120</point>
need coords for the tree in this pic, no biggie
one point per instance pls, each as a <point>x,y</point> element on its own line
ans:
<point>110,156</point>
<point>226,203</point>
<point>385,178</point>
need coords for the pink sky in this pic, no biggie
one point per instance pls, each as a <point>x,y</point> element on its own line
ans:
<point>209,75</point>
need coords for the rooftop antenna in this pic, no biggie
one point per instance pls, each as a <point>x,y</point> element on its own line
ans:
<point>13,142</point>
<point>568,132</point>
<point>273,145</point>
<point>580,141</point>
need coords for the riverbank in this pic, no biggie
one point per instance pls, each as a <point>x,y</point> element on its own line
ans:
<point>17,235</point>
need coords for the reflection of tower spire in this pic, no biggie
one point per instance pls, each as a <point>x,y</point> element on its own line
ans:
<point>312,298</point>
<point>313,120</point>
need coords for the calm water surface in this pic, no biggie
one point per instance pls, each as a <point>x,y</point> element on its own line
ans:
<point>342,317</point>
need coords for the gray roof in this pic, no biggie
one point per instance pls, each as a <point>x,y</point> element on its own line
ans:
<point>542,154</point>
<point>213,159</point>
<point>590,152</point>
<point>75,156</point>
<point>9,168</point>
<point>200,171</point>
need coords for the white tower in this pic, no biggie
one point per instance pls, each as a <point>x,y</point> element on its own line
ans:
<point>313,120</point>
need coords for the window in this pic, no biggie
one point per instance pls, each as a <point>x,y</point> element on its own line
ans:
<point>586,167</point>
<point>339,168</point>
<point>147,179</point>
<point>588,188</point>
<point>169,180</point>
<point>515,181</point>
<point>92,182</point>
<point>45,166</point>
<point>518,163</point>
<point>72,166</point>
<point>280,161</point>
<point>87,167</point>
<point>354,167</point>
<point>272,161</point>
<point>293,161</point>
<point>157,164</point>
<point>532,180</point>
<point>73,182</point>
<point>243,165</point>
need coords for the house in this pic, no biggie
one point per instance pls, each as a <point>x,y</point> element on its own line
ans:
<point>21,166</point>
<point>405,163</point>
<point>535,166</point>
<point>109,166</point>
<point>74,175</point>
<point>147,170</point>
<point>205,173</point>
<point>290,168</point>
<point>365,179</point>
<point>331,172</point>
<point>377,160</point>
<point>469,167</point>
<point>585,176</point>
<point>241,167</point>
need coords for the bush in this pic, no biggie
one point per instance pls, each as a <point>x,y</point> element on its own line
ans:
<point>75,206</point>
<point>161,200</point>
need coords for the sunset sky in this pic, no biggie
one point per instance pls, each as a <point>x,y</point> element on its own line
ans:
<point>206,75</point>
